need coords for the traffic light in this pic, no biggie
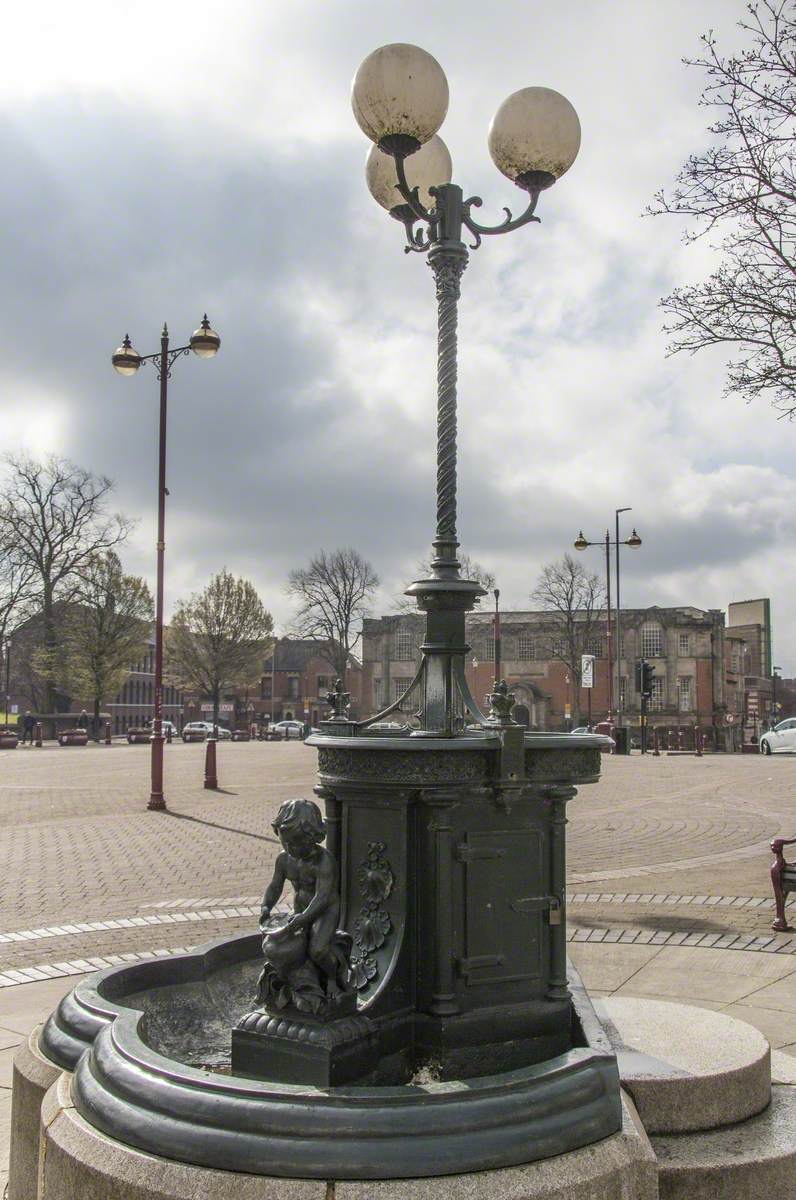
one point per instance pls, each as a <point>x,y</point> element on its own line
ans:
<point>647,676</point>
<point>638,677</point>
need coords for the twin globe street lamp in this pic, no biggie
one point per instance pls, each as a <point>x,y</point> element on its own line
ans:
<point>205,343</point>
<point>634,541</point>
<point>400,99</point>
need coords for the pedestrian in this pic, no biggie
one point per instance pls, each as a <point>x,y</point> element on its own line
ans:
<point>82,720</point>
<point>28,727</point>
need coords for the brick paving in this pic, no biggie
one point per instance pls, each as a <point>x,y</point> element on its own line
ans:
<point>664,846</point>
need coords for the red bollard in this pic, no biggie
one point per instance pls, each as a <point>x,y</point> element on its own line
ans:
<point>211,778</point>
<point>38,734</point>
<point>252,731</point>
<point>656,753</point>
<point>107,733</point>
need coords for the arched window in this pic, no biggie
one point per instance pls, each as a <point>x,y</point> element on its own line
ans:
<point>651,641</point>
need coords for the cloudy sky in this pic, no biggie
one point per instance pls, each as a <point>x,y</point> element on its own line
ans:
<point>161,159</point>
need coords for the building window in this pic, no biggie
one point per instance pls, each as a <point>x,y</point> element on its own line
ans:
<point>684,643</point>
<point>655,703</point>
<point>526,648</point>
<point>404,645</point>
<point>623,691</point>
<point>559,648</point>
<point>651,641</point>
<point>265,689</point>
<point>595,646</point>
<point>489,649</point>
<point>684,694</point>
<point>293,687</point>
<point>323,684</point>
<point>400,687</point>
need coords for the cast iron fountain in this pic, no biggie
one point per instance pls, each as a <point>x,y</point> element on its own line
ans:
<point>412,1015</point>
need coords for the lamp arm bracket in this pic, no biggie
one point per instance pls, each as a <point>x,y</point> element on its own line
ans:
<point>171,356</point>
<point>410,195</point>
<point>511,222</point>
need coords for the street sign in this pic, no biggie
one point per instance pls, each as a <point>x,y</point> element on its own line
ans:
<point>587,670</point>
<point>225,707</point>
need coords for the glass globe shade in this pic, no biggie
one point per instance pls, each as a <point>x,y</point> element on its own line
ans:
<point>125,359</point>
<point>534,137</point>
<point>429,167</point>
<point>400,91</point>
<point>205,341</point>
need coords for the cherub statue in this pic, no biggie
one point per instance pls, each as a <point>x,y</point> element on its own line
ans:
<point>306,956</point>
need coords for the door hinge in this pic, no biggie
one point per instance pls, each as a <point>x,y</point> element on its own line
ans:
<point>467,965</point>
<point>465,853</point>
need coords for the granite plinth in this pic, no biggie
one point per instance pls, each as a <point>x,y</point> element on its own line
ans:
<point>80,1161</point>
<point>686,1068</point>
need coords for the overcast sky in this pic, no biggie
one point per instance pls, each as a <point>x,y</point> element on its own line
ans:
<point>163,159</point>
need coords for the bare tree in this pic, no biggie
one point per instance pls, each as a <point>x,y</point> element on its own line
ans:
<point>742,189</point>
<point>54,521</point>
<point>574,599</point>
<point>107,629</point>
<point>218,638</point>
<point>332,593</point>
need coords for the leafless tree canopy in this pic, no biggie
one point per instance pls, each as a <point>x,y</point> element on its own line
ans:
<point>332,594</point>
<point>742,189</point>
<point>107,629</point>
<point>575,600</point>
<point>218,638</point>
<point>53,521</point>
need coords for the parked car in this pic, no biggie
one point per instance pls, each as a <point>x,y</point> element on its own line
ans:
<point>290,729</point>
<point>167,725</point>
<point>781,739</point>
<point>582,729</point>
<point>206,727</point>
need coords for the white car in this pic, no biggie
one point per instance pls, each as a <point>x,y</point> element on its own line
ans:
<point>290,729</point>
<point>206,727</point>
<point>781,739</point>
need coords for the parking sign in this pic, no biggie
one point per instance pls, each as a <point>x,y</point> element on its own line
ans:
<point>587,670</point>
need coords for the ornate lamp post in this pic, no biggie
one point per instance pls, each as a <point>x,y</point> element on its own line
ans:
<point>205,343</point>
<point>634,541</point>
<point>400,98</point>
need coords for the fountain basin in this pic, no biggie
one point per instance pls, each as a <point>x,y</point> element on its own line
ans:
<point>136,1038</point>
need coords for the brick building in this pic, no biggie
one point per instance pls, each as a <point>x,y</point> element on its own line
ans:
<point>685,645</point>
<point>296,679</point>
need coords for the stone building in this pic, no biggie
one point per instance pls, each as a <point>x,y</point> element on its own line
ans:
<point>685,646</point>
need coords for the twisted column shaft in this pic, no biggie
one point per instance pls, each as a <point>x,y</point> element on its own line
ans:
<point>447,261</point>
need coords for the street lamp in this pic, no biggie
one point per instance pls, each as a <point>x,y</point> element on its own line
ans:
<point>400,99</point>
<point>205,343</point>
<point>634,541</point>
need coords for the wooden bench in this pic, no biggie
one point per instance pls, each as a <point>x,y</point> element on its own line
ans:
<point>783,880</point>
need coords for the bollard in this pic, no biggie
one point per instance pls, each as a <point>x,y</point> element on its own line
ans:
<point>698,741</point>
<point>168,734</point>
<point>656,753</point>
<point>38,733</point>
<point>107,733</point>
<point>211,779</point>
<point>252,731</point>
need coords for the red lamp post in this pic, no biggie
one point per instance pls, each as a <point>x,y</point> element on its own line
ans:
<point>205,343</point>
